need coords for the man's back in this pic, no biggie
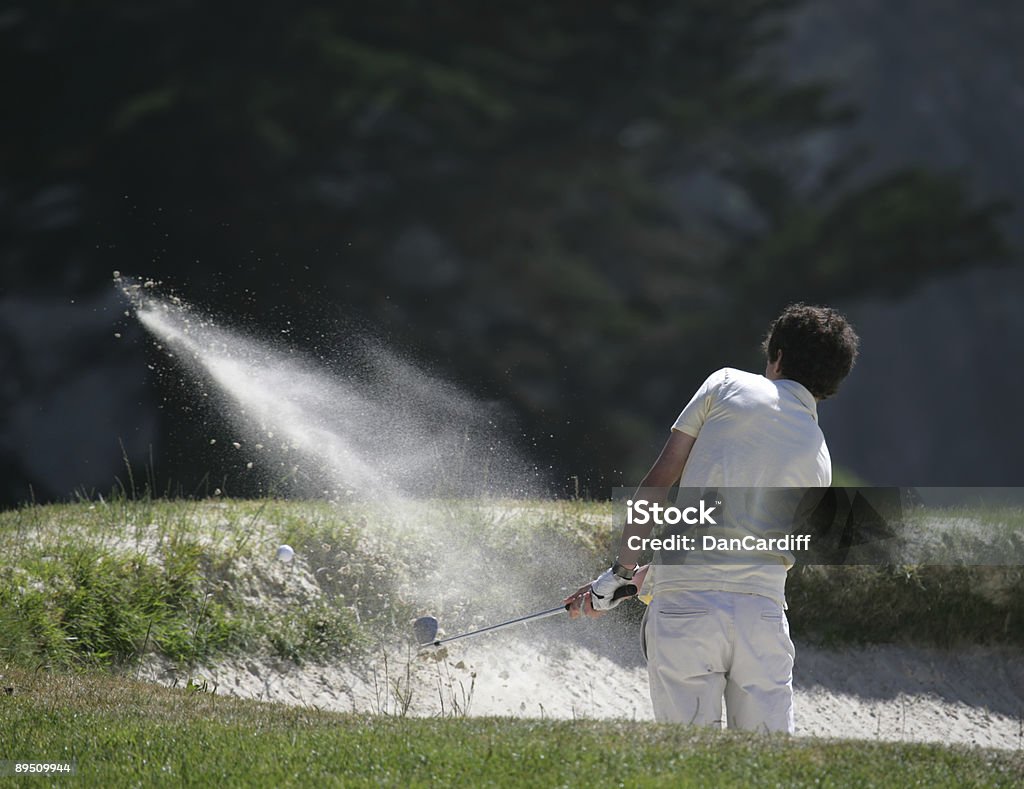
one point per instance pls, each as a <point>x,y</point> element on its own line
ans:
<point>753,432</point>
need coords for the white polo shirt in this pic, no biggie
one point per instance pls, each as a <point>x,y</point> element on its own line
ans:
<point>751,432</point>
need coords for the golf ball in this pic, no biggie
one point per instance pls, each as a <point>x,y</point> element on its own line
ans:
<point>285,553</point>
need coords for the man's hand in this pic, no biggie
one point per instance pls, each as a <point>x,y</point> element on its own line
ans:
<point>602,590</point>
<point>584,602</point>
<point>579,603</point>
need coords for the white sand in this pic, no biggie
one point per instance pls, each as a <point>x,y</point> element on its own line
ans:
<point>973,697</point>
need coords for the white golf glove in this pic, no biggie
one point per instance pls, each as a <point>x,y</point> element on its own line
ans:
<point>603,588</point>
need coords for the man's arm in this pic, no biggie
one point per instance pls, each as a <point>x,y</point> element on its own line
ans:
<point>665,473</point>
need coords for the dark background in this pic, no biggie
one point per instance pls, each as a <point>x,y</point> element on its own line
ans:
<point>573,210</point>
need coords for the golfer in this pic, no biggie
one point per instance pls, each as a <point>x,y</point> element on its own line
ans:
<point>720,630</point>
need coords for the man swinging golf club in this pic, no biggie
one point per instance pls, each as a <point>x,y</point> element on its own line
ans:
<point>720,630</point>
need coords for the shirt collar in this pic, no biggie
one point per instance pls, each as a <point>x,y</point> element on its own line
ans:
<point>801,393</point>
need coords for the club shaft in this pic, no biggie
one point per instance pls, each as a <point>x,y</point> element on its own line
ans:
<point>529,617</point>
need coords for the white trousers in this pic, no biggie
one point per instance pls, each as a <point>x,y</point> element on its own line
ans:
<point>703,646</point>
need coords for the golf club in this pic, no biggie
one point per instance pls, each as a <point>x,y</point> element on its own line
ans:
<point>425,628</point>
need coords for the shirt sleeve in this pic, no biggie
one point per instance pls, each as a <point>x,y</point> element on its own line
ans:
<point>693,415</point>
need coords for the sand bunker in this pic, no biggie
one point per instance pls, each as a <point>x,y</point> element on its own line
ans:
<point>971,697</point>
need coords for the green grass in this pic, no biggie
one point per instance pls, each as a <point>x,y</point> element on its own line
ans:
<point>107,582</point>
<point>104,583</point>
<point>124,733</point>
<point>934,605</point>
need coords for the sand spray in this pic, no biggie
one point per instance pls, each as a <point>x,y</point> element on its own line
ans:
<point>429,462</point>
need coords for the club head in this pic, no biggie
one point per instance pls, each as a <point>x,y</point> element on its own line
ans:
<point>424,630</point>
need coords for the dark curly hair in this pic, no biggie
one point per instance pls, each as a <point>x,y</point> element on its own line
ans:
<point>818,347</point>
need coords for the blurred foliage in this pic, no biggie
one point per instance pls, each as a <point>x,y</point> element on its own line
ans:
<point>581,213</point>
